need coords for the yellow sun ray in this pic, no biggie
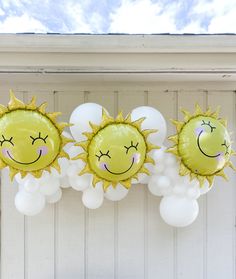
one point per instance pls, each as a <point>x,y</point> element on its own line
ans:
<point>95,180</point>
<point>126,183</point>
<point>42,108</point>
<point>32,104</point>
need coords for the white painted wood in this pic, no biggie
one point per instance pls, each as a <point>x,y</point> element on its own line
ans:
<point>12,226</point>
<point>70,228</point>
<point>160,237</point>
<point>12,232</point>
<point>127,239</point>
<point>117,43</point>
<point>39,247</point>
<point>141,56</point>
<point>119,63</point>
<point>100,231</point>
<point>69,237</point>
<point>191,241</point>
<point>131,211</point>
<point>221,206</point>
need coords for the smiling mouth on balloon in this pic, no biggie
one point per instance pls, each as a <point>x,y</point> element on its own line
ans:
<point>204,153</point>
<point>40,153</point>
<point>118,173</point>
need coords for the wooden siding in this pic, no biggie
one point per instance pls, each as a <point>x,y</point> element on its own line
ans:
<point>126,239</point>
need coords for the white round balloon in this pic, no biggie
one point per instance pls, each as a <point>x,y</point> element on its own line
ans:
<point>205,188</point>
<point>193,193</point>
<point>44,177</point>
<point>21,180</point>
<point>50,186</point>
<point>64,164</point>
<point>159,185</point>
<point>92,198</point>
<point>172,172</point>
<point>29,204</point>
<point>79,163</point>
<point>143,178</point>
<point>80,183</point>
<point>153,120</point>
<point>31,184</point>
<point>159,155</point>
<point>116,193</point>
<point>74,151</point>
<point>180,189</point>
<point>64,182</point>
<point>55,197</point>
<point>170,160</point>
<point>81,116</point>
<point>178,211</point>
<point>72,170</point>
<point>21,187</point>
<point>158,168</point>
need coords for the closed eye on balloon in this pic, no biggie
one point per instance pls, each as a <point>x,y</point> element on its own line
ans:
<point>103,154</point>
<point>227,147</point>
<point>39,138</point>
<point>6,140</point>
<point>131,146</point>
<point>208,124</point>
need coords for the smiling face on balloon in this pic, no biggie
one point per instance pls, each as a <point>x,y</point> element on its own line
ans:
<point>117,152</point>
<point>31,139</point>
<point>204,145</point>
<point>28,140</point>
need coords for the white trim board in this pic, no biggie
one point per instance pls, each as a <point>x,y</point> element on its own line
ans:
<point>119,57</point>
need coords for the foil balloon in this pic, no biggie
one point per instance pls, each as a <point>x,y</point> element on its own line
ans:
<point>31,139</point>
<point>116,150</point>
<point>203,145</point>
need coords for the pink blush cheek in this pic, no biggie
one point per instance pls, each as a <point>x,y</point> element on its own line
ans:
<point>43,149</point>
<point>198,131</point>
<point>136,157</point>
<point>102,166</point>
<point>5,152</point>
<point>221,157</point>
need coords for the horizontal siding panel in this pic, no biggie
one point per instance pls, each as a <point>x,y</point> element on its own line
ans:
<point>126,239</point>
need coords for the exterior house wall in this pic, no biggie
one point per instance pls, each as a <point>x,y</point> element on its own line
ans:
<point>126,239</point>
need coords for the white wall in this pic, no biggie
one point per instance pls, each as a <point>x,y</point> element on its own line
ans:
<point>127,239</point>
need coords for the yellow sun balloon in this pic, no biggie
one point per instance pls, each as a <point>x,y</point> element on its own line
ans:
<point>203,145</point>
<point>116,151</point>
<point>31,140</point>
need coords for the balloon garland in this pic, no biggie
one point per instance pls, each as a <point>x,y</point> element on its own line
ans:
<point>112,154</point>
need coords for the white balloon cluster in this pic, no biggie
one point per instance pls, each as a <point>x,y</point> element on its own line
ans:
<point>34,193</point>
<point>179,206</point>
